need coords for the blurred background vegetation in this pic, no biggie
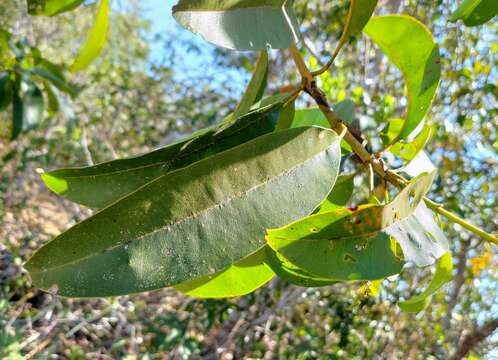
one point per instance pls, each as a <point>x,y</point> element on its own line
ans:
<point>154,84</point>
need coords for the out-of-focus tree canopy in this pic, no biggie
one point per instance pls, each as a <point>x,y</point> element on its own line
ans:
<point>130,101</point>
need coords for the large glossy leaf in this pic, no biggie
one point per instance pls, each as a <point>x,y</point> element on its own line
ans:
<point>51,7</point>
<point>475,12</point>
<point>96,38</point>
<point>349,244</point>
<point>194,221</point>
<point>291,273</point>
<point>100,185</point>
<point>443,274</point>
<point>410,46</point>
<point>240,24</point>
<point>239,279</point>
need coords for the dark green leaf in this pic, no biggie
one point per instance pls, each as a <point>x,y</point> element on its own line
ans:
<point>475,12</point>
<point>411,47</point>
<point>240,25</point>
<point>96,38</point>
<point>101,185</point>
<point>5,91</point>
<point>340,194</point>
<point>291,273</point>
<point>194,221</point>
<point>17,115</point>
<point>255,88</point>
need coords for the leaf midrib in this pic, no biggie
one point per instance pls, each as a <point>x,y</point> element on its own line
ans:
<point>194,215</point>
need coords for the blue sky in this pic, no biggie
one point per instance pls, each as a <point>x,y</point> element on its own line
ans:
<point>159,13</point>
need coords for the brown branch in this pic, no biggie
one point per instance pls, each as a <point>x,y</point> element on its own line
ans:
<point>473,338</point>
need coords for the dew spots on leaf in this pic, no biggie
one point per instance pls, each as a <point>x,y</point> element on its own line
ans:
<point>349,258</point>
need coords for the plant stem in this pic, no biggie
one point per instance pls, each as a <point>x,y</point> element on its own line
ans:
<point>438,208</point>
<point>342,41</point>
<point>309,85</point>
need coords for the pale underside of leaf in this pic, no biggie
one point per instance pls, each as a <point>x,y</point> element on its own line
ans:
<point>241,25</point>
<point>195,221</point>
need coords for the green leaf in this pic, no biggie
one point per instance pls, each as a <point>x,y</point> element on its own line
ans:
<point>288,110</point>
<point>5,91</point>
<point>362,12</point>
<point>475,12</point>
<point>340,194</point>
<point>444,269</point>
<point>406,150</point>
<point>96,38</point>
<point>349,244</point>
<point>410,46</point>
<point>240,24</point>
<point>291,273</point>
<point>51,7</point>
<point>17,116</point>
<point>256,86</point>
<point>102,184</point>
<point>53,73</point>
<point>313,116</point>
<point>192,222</point>
<point>238,279</point>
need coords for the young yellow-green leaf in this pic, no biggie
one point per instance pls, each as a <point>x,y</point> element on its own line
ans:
<point>406,150</point>
<point>291,273</point>
<point>102,184</point>
<point>238,279</point>
<point>240,24</point>
<point>192,222</point>
<point>340,194</point>
<point>410,46</point>
<point>349,244</point>
<point>256,86</point>
<point>444,268</point>
<point>96,38</point>
<point>475,12</point>
<point>52,7</point>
